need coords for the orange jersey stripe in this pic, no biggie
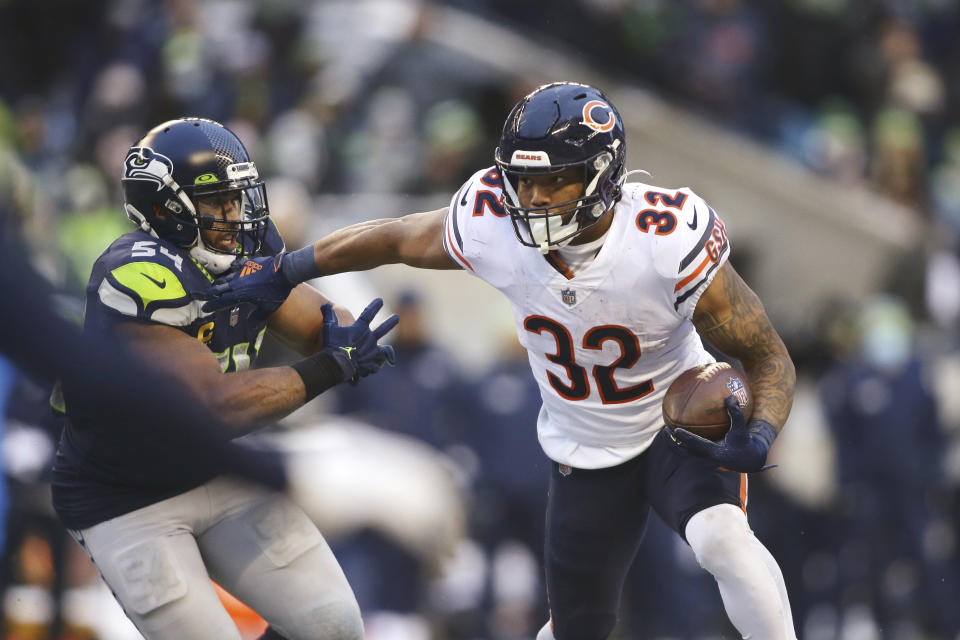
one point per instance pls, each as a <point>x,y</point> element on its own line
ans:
<point>686,281</point>
<point>453,247</point>
<point>743,492</point>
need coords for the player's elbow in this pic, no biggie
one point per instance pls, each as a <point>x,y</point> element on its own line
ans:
<point>789,374</point>
<point>232,405</point>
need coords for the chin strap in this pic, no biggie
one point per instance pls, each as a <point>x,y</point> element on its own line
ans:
<point>216,263</point>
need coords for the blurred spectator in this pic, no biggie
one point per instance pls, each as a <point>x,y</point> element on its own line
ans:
<point>88,226</point>
<point>297,148</point>
<point>392,510</point>
<point>453,137</point>
<point>7,377</point>
<point>719,52</point>
<point>383,155</point>
<point>423,397</point>
<point>898,170</point>
<point>898,562</point>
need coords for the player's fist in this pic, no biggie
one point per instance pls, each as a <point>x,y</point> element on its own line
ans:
<point>744,448</point>
<point>259,281</point>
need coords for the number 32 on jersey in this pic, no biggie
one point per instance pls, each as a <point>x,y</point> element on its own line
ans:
<point>578,387</point>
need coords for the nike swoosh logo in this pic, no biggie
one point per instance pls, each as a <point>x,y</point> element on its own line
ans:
<point>693,225</point>
<point>160,283</point>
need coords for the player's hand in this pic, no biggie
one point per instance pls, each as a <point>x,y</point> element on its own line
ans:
<point>357,342</point>
<point>259,281</point>
<point>743,449</point>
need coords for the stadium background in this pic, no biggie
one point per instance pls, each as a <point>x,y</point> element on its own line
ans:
<point>825,132</point>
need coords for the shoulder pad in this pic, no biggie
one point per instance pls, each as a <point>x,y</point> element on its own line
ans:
<point>689,238</point>
<point>151,282</point>
<point>480,195</point>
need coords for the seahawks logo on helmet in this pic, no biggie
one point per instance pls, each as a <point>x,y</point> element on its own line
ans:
<point>143,163</point>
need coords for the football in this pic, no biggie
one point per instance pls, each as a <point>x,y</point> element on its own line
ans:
<point>694,401</point>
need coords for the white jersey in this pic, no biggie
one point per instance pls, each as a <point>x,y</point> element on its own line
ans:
<point>605,343</point>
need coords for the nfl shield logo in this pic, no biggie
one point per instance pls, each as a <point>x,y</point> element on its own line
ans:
<point>234,316</point>
<point>737,389</point>
<point>569,297</point>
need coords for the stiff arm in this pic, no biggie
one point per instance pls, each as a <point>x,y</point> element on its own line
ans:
<point>731,317</point>
<point>415,240</point>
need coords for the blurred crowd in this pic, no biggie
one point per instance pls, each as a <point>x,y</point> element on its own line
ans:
<point>338,97</point>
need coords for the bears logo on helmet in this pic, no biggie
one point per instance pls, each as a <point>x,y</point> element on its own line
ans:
<point>589,121</point>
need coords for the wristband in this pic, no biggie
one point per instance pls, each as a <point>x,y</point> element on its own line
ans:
<point>323,370</point>
<point>763,430</point>
<point>299,266</point>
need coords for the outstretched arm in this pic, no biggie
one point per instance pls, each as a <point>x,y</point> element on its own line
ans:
<point>415,240</point>
<point>731,318</point>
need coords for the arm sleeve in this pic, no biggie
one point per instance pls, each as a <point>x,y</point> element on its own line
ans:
<point>145,291</point>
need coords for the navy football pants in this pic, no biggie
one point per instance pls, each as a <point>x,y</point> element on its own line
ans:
<point>596,519</point>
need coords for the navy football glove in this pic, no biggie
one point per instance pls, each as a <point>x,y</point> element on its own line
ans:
<point>260,281</point>
<point>743,449</point>
<point>358,342</point>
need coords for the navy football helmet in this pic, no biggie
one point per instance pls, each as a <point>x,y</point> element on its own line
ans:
<point>558,126</point>
<point>182,161</point>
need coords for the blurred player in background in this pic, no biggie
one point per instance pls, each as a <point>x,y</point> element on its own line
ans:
<point>612,286</point>
<point>158,532</point>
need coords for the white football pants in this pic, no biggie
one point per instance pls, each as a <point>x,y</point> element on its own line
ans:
<point>259,546</point>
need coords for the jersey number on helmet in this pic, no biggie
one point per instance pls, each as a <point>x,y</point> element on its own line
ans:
<point>579,386</point>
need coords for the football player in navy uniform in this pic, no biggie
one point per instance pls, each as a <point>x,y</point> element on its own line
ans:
<point>614,287</point>
<point>157,531</point>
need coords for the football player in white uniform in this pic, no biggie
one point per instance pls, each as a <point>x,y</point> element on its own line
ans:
<point>613,288</point>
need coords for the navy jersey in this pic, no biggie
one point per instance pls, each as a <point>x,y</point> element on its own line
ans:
<point>101,473</point>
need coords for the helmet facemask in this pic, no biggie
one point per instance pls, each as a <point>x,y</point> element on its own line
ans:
<point>559,225</point>
<point>190,181</point>
<point>556,127</point>
<point>230,218</point>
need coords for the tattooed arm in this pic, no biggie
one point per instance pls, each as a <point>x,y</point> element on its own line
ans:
<point>730,317</point>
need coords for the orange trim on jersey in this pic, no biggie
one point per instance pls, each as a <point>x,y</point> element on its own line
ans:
<point>686,281</point>
<point>561,266</point>
<point>453,247</point>
<point>743,492</point>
